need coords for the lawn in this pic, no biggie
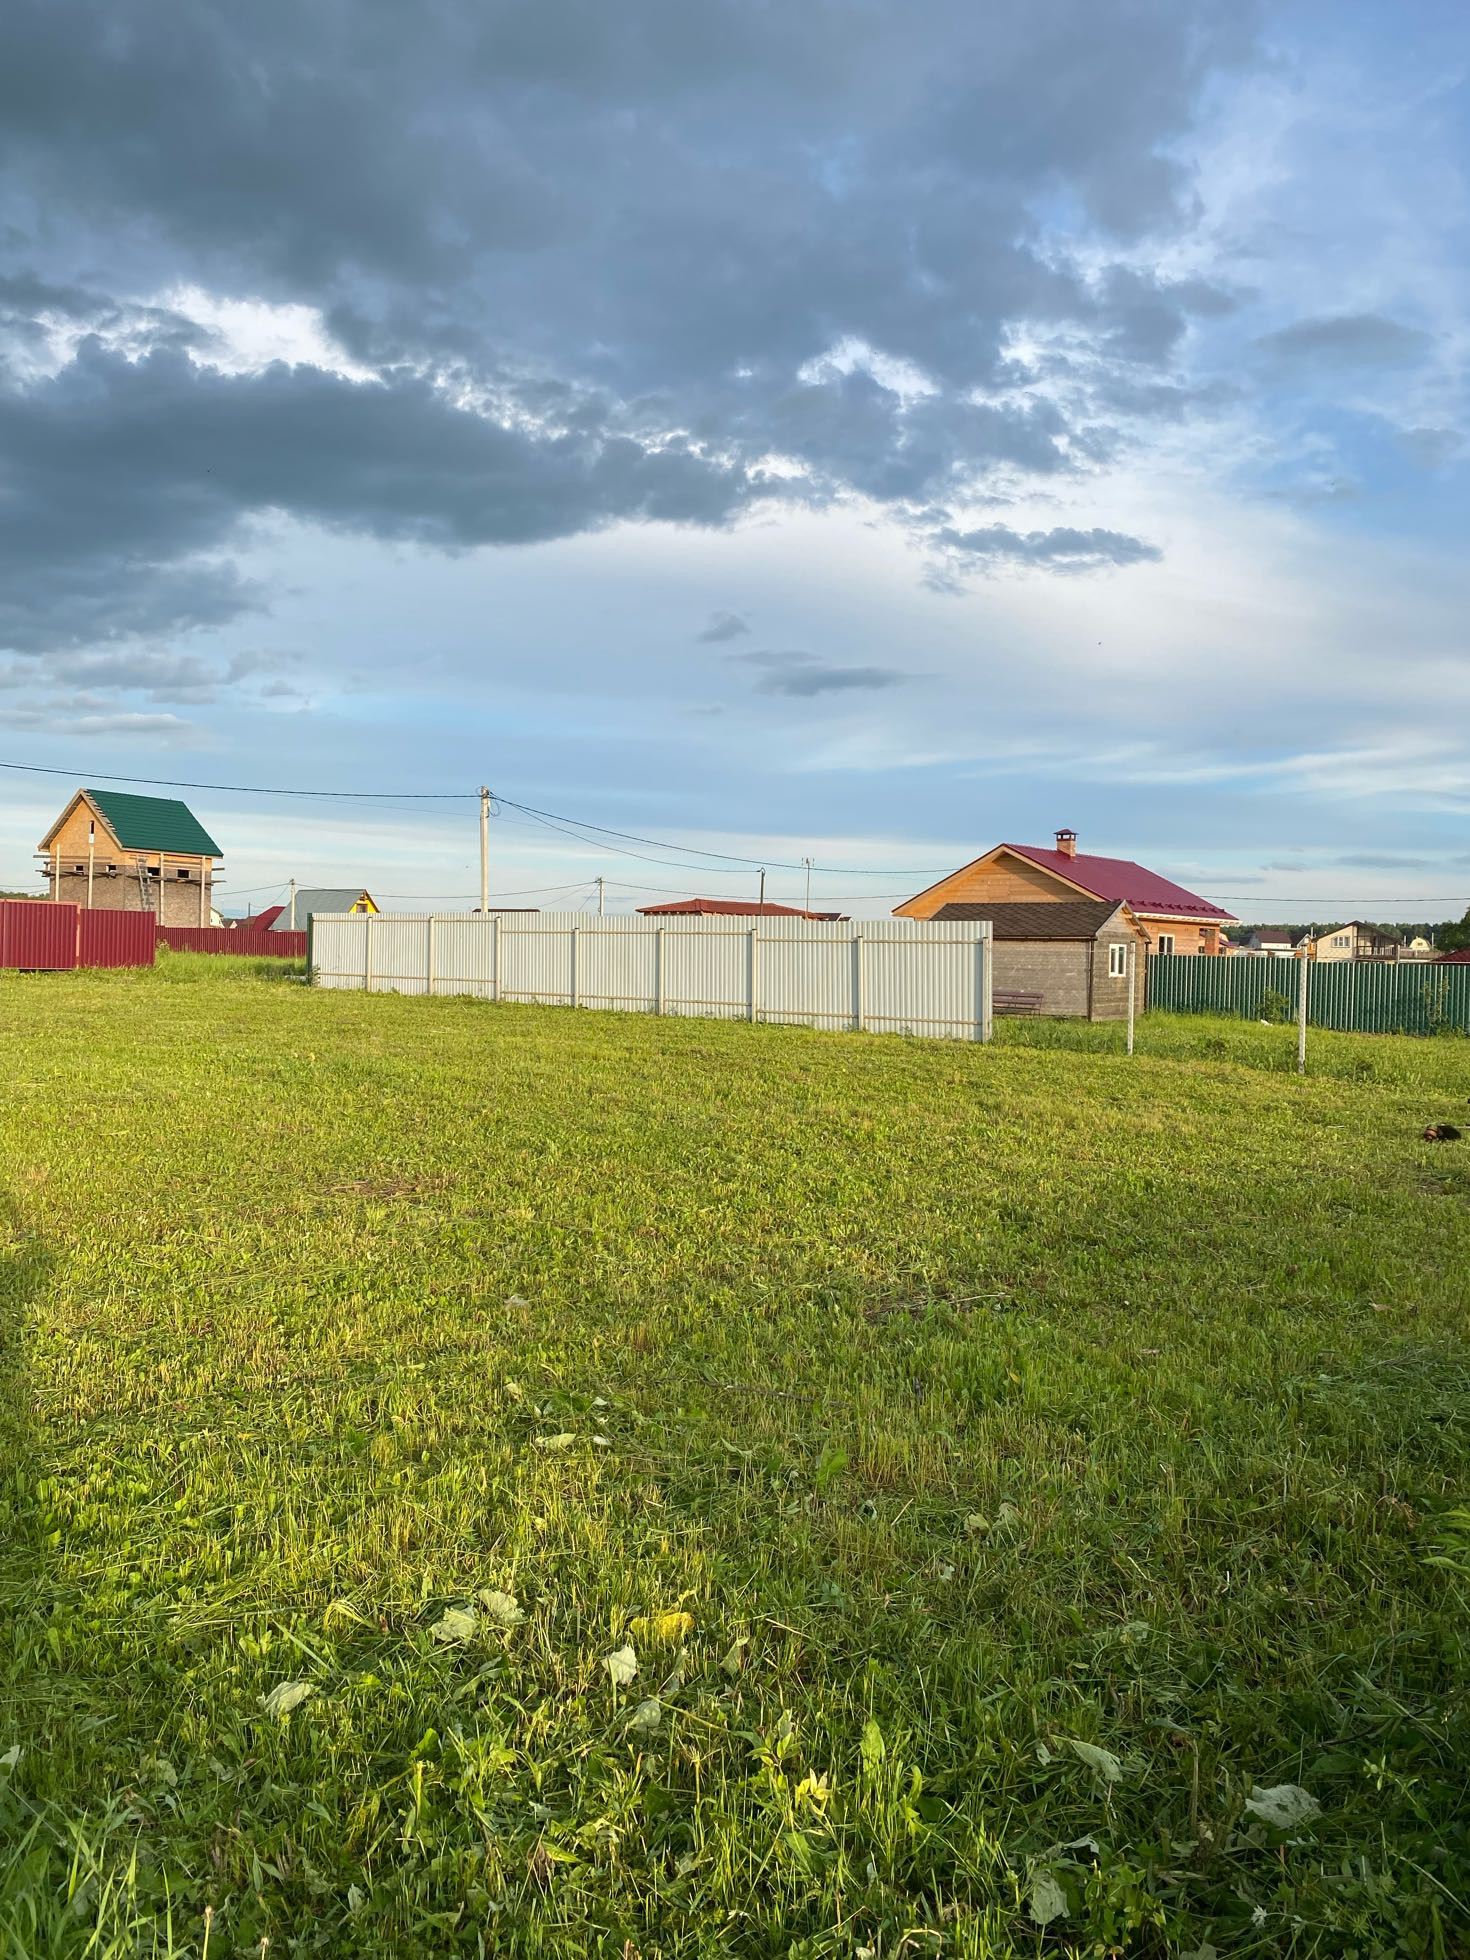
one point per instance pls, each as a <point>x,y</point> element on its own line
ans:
<point>490,1479</point>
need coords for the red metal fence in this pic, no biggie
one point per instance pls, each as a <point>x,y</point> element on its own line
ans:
<point>43,937</point>
<point>115,938</point>
<point>227,939</point>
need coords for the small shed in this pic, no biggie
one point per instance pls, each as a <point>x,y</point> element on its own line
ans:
<point>1062,957</point>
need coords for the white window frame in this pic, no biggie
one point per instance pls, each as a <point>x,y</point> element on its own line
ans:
<point>1118,959</point>
<point>1166,942</point>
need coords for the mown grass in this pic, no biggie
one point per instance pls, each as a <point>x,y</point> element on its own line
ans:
<point>999,1463</point>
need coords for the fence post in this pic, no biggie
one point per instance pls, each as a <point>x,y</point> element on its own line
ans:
<point>367,954</point>
<point>495,959</point>
<point>574,965</point>
<point>429,958</point>
<point>857,981</point>
<point>658,970</point>
<point>752,974</point>
<point>986,1016</point>
<point>1301,1018</point>
<point>1132,988</point>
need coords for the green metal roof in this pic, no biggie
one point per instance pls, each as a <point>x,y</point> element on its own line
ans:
<point>154,823</point>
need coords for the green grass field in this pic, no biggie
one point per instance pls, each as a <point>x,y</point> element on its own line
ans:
<point>998,1465</point>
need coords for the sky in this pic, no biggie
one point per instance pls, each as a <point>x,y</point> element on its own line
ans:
<point>778,429</point>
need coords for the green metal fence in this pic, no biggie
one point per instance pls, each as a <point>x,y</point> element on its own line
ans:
<point>1356,996</point>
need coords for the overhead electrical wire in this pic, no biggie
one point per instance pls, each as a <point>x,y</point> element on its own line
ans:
<point>725,863</point>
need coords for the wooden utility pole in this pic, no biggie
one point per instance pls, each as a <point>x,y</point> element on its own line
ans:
<point>600,883</point>
<point>91,859</point>
<point>808,863</point>
<point>291,921</point>
<point>484,849</point>
<point>763,884</point>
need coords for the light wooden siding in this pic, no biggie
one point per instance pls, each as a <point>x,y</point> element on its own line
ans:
<point>999,880</point>
<point>1188,937</point>
<point>1054,968</point>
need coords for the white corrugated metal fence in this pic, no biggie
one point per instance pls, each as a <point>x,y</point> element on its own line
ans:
<point>908,976</point>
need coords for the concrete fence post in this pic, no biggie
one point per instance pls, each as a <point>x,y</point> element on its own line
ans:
<point>574,966</point>
<point>859,1007</point>
<point>752,973</point>
<point>987,987</point>
<point>367,953</point>
<point>1301,1017</point>
<point>658,970</point>
<point>429,957</point>
<point>495,959</point>
<point>1132,989</point>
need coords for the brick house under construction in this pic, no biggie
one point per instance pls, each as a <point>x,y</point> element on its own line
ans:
<point>120,853</point>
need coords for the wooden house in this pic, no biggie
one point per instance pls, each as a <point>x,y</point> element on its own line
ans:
<point>1174,920</point>
<point>115,852</point>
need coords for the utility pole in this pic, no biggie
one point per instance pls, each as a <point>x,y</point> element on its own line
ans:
<point>484,849</point>
<point>600,883</point>
<point>763,884</point>
<point>293,905</point>
<point>808,863</point>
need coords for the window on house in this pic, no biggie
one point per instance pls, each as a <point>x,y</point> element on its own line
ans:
<point>1166,942</point>
<point>182,872</point>
<point>1341,939</point>
<point>1118,961</point>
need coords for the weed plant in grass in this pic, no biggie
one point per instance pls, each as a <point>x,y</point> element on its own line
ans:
<point>488,1479</point>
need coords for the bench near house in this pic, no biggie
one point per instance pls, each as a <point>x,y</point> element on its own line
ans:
<point>1175,920</point>
<point>111,851</point>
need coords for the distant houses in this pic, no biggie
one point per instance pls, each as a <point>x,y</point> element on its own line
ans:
<point>733,908</point>
<point>112,851</point>
<point>295,915</point>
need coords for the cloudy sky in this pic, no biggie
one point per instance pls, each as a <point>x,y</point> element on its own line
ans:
<point>786,428</point>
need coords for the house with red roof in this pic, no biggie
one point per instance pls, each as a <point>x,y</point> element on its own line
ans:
<point>1174,920</point>
<point>732,908</point>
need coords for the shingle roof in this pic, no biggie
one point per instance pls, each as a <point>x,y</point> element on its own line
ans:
<point>1067,918</point>
<point>153,823</point>
<point>730,908</point>
<point>1122,880</point>
<point>329,899</point>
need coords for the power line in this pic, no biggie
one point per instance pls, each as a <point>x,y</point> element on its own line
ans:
<point>255,789</point>
<point>556,819</point>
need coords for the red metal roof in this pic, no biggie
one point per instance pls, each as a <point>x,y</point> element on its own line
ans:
<point>732,908</point>
<point>261,921</point>
<point>1461,957</point>
<point>1123,881</point>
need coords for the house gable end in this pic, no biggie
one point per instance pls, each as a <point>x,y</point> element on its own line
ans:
<point>999,873</point>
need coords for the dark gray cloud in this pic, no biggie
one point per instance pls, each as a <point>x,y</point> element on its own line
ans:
<point>598,260</point>
<point>723,626</point>
<point>131,472</point>
<point>804,675</point>
<point>1343,340</point>
<point>1060,550</point>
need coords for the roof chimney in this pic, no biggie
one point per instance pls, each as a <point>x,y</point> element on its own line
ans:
<point>1067,843</point>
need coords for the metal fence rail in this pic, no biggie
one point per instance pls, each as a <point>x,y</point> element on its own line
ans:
<point>1353,996</point>
<point>906,976</point>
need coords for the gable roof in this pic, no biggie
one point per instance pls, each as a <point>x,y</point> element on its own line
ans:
<point>328,899</point>
<point>730,908</point>
<point>1068,918</point>
<point>153,823</point>
<point>1123,881</point>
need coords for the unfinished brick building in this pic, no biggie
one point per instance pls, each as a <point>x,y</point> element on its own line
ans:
<point>121,853</point>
